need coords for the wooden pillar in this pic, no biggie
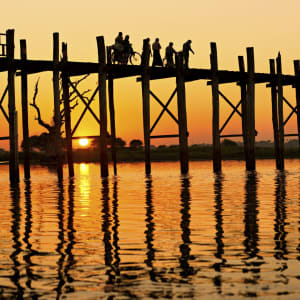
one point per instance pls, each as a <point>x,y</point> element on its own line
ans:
<point>57,114</point>
<point>102,106</point>
<point>112,123</point>
<point>67,111</point>
<point>275,115</point>
<point>243,87</point>
<point>216,109</point>
<point>250,112</point>
<point>280,112</point>
<point>13,118</point>
<point>146,103</point>
<point>297,87</point>
<point>182,120</point>
<point>24,96</point>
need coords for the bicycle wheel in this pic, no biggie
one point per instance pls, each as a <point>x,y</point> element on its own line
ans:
<point>135,58</point>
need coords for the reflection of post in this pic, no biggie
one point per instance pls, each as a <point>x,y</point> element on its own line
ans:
<point>150,226</point>
<point>250,220</point>
<point>15,230</point>
<point>28,228</point>
<point>185,226</point>
<point>105,228</point>
<point>61,239</point>
<point>219,229</point>
<point>115,228</point>
<point>71,238</point>
<point>280,219</point>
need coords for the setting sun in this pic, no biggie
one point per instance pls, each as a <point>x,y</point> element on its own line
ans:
<point>83,142</point>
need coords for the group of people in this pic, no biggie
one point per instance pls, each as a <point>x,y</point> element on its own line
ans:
<point>123,48</point>
<point>169,54</point>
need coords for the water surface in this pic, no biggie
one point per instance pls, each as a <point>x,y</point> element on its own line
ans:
<point>228,236</point>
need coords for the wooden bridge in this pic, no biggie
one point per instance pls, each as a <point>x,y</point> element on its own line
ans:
<point>245,78</point>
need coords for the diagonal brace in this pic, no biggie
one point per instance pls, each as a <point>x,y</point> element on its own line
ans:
<point>165,108</point>
<point>230,116</point>
<point>84,101</point>
<point>294,110</point>
<point>229,102</point>
<point>1,100</point>
<point>85,110</point>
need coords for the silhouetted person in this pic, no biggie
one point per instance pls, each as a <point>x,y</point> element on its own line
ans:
<point>127,48</point>
<point>118,47</point>
<point>146,51</point>
<point>119,42</point>
<point>157,61</point>
<point>169,55</point>
<point>186,52</point>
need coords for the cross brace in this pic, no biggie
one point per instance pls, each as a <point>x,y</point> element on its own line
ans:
<point>87,106</point>
<point>165,108</point>
<point>1,100</point>
<point>235,110</point>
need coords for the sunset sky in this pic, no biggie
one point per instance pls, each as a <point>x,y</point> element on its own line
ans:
<point>269,26</point>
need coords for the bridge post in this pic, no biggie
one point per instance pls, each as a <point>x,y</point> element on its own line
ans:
<point>275,115</point>
<point>24,96</point>
<point>13,117</point>
<point>297,88</point>
<point>67,111</point>
<point>102,106</point>
<point>182,120</point>
<point>280,112</point>
<point>57,114</point>
<point>217,166</point>
<point>250,112</point>
<point>243,87</point>
<point>146,104</point>
<point>112,122</point>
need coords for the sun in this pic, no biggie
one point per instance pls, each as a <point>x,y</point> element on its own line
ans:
<point>83,142</point>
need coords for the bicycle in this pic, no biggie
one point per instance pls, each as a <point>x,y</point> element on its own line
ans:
<point>119,57</point>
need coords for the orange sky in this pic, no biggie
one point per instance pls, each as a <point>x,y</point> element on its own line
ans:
<point>267,25</point>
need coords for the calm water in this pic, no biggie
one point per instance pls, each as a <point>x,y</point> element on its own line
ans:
<point>230,236</point>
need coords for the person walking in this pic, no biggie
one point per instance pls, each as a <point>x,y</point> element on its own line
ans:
<point>157,61</point>
<point>169,55</point>
<point>186,51</point>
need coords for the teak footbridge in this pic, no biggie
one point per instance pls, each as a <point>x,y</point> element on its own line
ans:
<point>107,71</point>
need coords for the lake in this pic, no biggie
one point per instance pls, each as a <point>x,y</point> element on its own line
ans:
<point>229,236</point>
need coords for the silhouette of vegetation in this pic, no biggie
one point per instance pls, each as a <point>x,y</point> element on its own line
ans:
<point>136,144</point>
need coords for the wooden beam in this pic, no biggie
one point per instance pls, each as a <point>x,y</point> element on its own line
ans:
<point>275,115</point>
<point>297,88</point>
<point>102,106</point>
<point>24,96</point>
<point>67,112</point>
<point>57,115</point>
<point>13,118</point>
<point>146,104</point>
<point>250,112</point>
<point>112,123</point>
<point>216,109</point>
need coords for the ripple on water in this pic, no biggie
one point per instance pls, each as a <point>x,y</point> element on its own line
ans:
<point>233,235</point>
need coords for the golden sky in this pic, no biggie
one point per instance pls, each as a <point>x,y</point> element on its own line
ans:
<point>269,26</point>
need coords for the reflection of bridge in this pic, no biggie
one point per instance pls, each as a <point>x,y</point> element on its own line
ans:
<point>108,71</point>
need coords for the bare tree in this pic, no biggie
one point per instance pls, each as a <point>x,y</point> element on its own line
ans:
<point>73,99</point>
